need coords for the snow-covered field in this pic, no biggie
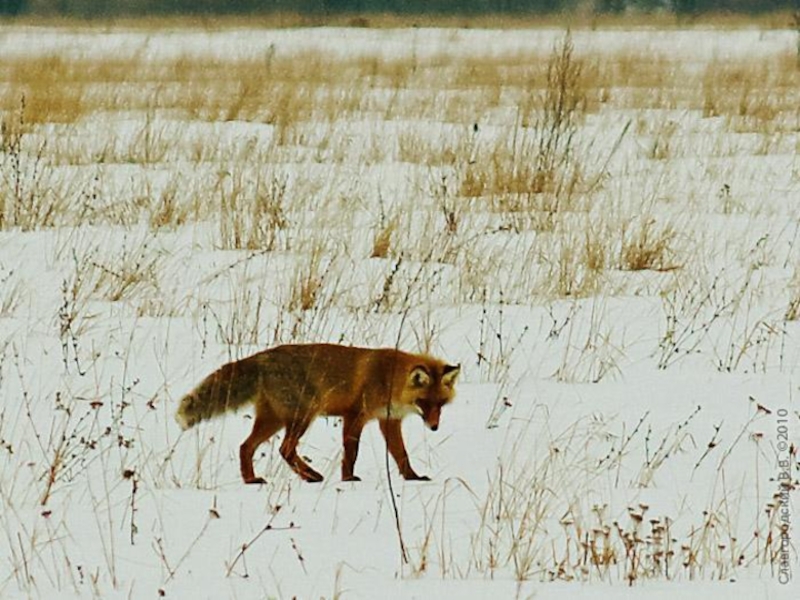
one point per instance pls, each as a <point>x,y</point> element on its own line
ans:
<point>603,230</point>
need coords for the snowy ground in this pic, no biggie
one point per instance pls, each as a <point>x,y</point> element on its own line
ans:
<point>627,326</point>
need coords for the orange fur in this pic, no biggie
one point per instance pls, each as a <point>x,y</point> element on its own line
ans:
<point>291,385</point>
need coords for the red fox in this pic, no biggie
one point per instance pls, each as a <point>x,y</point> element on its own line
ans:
<point>293,384</point>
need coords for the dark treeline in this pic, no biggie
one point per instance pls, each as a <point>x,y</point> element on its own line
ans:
<point>110,8</point>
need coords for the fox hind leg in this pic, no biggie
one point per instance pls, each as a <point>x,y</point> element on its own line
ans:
<point>351,436</point>
<point>294,431</point>
<point>265,426</point>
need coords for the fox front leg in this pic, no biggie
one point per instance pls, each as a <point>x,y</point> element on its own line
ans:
<point>393,434</point>
<point>352,427</point>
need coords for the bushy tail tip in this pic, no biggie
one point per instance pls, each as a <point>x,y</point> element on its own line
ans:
<point>182,416</point>
<point>183,422</point>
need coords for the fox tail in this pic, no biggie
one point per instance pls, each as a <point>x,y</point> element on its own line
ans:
<point>225,389</point>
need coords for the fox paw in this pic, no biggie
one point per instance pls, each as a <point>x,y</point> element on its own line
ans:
<point>312,477</point>
<point>255,480</point>
<point>415,477</point>
<point>351,478</point>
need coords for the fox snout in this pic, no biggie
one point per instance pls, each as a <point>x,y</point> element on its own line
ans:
<point>431,413</point>
<point>432,420</point>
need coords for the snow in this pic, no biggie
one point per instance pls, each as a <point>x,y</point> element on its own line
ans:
<point>577,420</point>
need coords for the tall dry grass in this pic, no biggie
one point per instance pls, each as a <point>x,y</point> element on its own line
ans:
<point>284,89</point>
<point>515,149</point>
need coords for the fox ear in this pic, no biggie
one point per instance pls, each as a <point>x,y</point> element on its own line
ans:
<point>418,377</point>
<point>449,374</point>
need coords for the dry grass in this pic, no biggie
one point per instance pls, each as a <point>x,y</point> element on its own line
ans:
<point>526,528</point>
<point>647,244</point>
<point>514,150</point>
<point>253,212</point>
<point>427,199</point>
<point>754,95</point>
<point>285,90</point>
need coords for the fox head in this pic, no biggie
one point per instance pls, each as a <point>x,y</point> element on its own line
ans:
<point>431,387</point>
